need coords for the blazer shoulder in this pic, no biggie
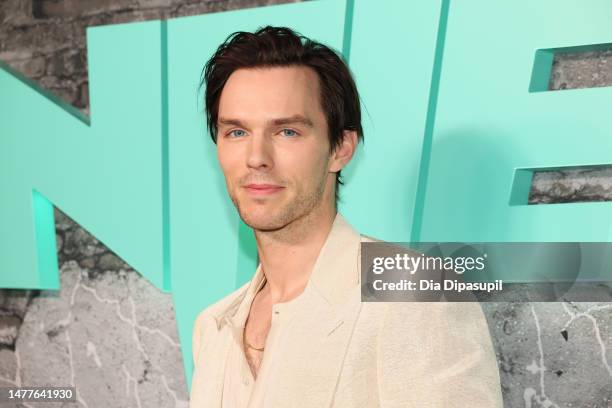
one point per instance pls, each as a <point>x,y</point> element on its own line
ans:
<point>400,248</point>
<point>367,238</point>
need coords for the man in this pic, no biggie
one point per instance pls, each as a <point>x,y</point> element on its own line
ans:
<point>284,112</point>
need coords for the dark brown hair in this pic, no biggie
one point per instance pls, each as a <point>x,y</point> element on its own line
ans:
<point>280,46</point>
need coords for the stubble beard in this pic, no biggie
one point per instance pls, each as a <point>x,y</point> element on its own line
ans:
<point>300,207</point>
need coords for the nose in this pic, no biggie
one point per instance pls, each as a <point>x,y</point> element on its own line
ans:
<point>259,152</point>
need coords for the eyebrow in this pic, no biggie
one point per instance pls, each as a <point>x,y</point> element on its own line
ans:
<point>295,119</point>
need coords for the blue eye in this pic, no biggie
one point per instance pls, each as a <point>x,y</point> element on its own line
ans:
<point>289,132</point>
<point>237,133</point>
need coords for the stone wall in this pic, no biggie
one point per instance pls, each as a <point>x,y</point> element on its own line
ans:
<point>113,335</point>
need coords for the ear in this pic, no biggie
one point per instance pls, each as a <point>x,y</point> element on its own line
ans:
<point>344,152</point>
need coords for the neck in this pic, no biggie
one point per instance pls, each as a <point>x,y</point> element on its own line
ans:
<point>288,255</point>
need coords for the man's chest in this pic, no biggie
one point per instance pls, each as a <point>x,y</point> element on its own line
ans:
<point>312,353</point>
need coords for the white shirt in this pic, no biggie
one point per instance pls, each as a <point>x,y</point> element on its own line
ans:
<point>240,389</point>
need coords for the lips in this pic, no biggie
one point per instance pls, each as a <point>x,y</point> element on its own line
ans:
<point>262,189</point>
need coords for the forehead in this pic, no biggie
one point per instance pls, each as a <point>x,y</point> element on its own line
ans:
<point>263,93</point>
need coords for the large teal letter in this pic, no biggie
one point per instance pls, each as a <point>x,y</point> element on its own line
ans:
<point>104,171</point>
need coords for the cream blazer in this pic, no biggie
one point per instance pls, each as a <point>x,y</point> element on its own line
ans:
<point>349,353</point>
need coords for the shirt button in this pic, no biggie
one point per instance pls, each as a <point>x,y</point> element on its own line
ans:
<point>245,381</point>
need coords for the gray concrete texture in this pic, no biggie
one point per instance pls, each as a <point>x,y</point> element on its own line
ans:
<point>113,335</point>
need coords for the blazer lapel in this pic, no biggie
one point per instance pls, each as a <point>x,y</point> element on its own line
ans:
<point>315,345</point>
<point>207,383</point>
<point>211,377</point>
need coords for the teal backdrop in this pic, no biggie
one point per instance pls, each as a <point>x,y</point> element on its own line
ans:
<point>457,118</point>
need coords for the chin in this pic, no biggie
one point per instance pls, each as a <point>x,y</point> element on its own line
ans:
<point>262,222</point>
<point>263,218</point>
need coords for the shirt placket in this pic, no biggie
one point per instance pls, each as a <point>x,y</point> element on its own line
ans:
<point>281,316</point>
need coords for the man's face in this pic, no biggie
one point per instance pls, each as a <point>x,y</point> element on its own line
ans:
<point>272,145</point>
